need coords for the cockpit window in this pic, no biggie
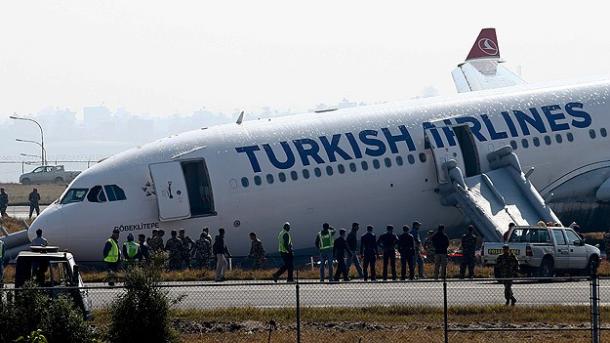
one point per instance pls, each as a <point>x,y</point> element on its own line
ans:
<point>96,194</point>
<point>74,195</point>
<point>114,193</point>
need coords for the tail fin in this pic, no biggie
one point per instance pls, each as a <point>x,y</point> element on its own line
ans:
<point>486,45</point>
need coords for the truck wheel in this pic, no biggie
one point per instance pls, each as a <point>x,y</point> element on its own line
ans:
<point>592,266</point>
<point>59,180</point>
<point>26,181</point>
<point>546,269</point>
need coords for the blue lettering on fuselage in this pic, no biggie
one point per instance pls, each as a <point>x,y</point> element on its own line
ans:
<point>378,142</point>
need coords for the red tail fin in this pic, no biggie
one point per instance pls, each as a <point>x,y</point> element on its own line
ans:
<point>486,45</point>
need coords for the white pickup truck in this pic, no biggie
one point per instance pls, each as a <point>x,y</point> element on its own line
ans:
<point>543,251</point>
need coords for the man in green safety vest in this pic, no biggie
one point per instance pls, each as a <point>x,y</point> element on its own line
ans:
<point>286,252</point>
<point>325,244</point>
<point>131,250</point>
<point>2,251</point>
<point>112,256</point>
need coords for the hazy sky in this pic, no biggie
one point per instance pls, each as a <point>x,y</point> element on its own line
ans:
<point>172,57</point>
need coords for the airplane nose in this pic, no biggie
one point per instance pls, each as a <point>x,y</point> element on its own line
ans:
<point>48,221</point>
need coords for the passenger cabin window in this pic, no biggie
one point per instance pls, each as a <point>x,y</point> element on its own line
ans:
<point>74,195</point>
<point>558,235</point>
<point>96,194</point>
<point>199,188</point>
<point>114,193</point>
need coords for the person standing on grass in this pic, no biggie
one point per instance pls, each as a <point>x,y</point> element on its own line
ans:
<point>339,249</point>
<point>3,203</point>
<point>368,250</point>
<point>286,251</point>
<point>469,245</point>
<point>34,199</point>
<point>257,252</point>
<point>174,249</point>
<point>325,244</point>
<point>352,252</point>
<point>440,243</point>
<point>39,240</point>
<point>112,256</point>
<point>406,247</point>
<point>419,258</point>
<point>144,248</point>
<point>187,246</point>
<point>2,252</point>
<point>131,250</point>
<point>387,242</point>
<point>507,268</point>
<point>221,252</point>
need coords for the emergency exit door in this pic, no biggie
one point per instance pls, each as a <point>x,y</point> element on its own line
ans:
<point>443,144</point>
<point>171,189</point>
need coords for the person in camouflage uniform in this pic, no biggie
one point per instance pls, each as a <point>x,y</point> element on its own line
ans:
<point>202,250</point>
<point>469,245</point>
<point>187,245</point>
<point>507,267</point>
<point>257,252</point>
<point>174,248</point>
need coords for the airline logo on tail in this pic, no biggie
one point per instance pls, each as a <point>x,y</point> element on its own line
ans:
<point>486,45</point>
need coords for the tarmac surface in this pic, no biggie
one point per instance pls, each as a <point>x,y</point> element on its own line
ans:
<point>210,295</point>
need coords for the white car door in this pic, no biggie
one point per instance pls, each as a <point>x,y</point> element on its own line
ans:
<point>578,251</point>
<point>562,250</point>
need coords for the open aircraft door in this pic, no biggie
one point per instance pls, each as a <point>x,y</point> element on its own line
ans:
<point>170,186</point>
<point>452,142</point>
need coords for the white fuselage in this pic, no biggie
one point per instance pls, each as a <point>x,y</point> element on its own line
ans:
<point>337,142</point>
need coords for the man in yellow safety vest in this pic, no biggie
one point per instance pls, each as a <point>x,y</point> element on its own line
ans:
<point>112,256</point>
<point>285,250</point>
<point>325,244</point>
<point>131,250</point>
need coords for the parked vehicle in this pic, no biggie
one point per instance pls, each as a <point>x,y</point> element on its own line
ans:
<point>48,174</point>
<point>56,271</point>
<point>543,251</point>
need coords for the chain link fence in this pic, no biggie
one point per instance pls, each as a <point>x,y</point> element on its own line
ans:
<point>558,310</point>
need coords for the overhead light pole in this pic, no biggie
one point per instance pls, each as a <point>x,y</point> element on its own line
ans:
<point>43,151</point>
<point>42,157</point>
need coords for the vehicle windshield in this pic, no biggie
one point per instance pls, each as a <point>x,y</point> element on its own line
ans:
<point>74,195</point>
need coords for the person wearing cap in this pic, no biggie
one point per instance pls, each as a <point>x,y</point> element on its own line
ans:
<point>287,254</point>
<point>339,249</point>
<point>39,240</point>
<point>469,245</point>
<point>368,250</point>
<point>406,247</point>
<point>507,267</point>
<point>419,258</point>
<point>352,252</point>
<point>174,249</point>
<point>131,250</point>
<point>440,243</point>
<point>112,256</point>
<point>387,242</point>
<point>325,244</point>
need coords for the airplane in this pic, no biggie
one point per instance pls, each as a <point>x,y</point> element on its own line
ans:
<point>386,164</point>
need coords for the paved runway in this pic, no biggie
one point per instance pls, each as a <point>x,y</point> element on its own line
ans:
<point>263,294</point>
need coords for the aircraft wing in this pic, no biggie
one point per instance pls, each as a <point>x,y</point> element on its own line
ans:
<point>483,67</point>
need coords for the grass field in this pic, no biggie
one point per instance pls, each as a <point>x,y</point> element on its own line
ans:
<point>18,193</point>
<point>380,324</point>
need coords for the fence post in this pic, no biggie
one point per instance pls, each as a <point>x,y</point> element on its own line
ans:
<point>595,331</point>
<point>298,309</point>
<point>445,311</point>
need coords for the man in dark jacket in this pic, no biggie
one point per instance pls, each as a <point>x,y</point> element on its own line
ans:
<point>221,252</point>
<point>469,245</point>
<point>368,250</point>
<point>387,242</point>
<point>507,267</point>
<point>3,203</point>
<point>419,247</point>
<point>352,243</point>
<point>34,199</point>
<point>340,249</point>
<point>440,243</point>
<point>406,247</point>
